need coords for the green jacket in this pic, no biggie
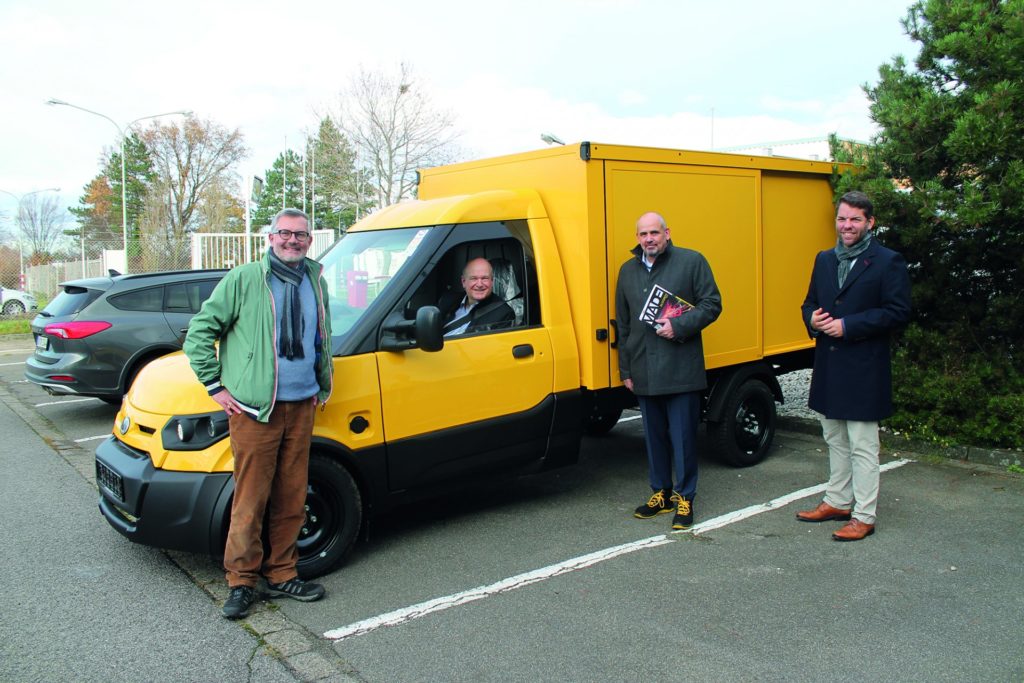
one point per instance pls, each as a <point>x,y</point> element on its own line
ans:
<point>240,313</point>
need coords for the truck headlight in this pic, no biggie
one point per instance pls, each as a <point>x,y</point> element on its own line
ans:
<point>194,432</point>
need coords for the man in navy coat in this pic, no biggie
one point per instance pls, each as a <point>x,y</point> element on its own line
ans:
<point>859,294</point>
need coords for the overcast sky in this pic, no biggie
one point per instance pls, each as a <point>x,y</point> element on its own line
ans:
<point>655,72</point>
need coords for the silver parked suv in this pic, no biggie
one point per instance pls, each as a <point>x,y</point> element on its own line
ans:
<point>96,334</point>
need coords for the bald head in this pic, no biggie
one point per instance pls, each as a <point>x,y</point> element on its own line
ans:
<point>477,279</point>
<point>652,234</point>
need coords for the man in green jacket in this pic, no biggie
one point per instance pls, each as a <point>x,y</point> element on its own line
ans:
<point>273,368</point>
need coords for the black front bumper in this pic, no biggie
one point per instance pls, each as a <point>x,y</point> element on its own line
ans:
<point>172,510</point>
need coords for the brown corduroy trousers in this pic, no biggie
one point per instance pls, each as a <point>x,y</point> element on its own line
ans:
<point>271,472</point>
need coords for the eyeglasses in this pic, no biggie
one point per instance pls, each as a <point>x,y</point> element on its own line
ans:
<point>300,235</point>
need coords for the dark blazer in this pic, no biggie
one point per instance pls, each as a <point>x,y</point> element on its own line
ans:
<point>852,378</point>
<point>483,317</point>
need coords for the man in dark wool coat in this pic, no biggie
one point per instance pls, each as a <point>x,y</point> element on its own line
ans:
<point>859,294</point>
<point>663,363</point>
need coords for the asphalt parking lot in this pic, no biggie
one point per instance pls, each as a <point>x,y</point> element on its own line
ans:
<point>549,577</point>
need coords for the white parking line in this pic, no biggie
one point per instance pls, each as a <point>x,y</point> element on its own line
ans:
<point>70,400</point>
<point>631,417</point>
<point>4,365</point>
<point>92,438</point>
<point>405,614</point>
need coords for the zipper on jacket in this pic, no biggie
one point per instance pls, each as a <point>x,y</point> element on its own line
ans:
<point>273,338</point>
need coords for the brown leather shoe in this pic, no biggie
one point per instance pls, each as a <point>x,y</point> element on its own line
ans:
<point>823,513</point>
<point>854,530</point>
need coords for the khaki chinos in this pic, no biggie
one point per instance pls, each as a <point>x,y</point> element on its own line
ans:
<point>853,464</point>
<point>271,463</point>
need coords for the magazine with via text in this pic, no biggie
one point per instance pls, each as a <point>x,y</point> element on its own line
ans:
<point>662,303</point>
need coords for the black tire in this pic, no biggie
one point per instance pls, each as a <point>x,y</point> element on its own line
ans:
<point>14,307</point>
<point>135,372</point>
<point>599,424</point>
<point>334,514</point>
<point>116,400</point>
<point>745,433</point>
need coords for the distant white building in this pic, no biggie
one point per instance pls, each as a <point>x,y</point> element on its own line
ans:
<point>815,149</point>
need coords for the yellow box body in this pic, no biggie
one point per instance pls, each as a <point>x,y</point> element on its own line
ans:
<point>758,220</point>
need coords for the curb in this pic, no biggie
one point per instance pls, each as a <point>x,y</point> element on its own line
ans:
<point>994,457</point>
<point>17,342</point>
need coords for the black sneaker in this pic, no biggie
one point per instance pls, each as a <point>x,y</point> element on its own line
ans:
<point>296,589</point>
<point>656,505</point>
<point>239,602</point>
<point>683,518</point>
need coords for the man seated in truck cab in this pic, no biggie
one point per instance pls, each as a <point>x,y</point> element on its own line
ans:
<point>478,309</point>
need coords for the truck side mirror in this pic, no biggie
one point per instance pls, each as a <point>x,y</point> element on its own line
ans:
<point>424,332</point>
<point>428,328</point>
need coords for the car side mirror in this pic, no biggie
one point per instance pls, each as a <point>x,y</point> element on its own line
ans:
<point>424,332</point>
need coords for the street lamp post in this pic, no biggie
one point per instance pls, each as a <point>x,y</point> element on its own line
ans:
<point>21,254</point>
<point>121,132</point>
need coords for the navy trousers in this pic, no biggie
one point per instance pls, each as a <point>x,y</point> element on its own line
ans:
<point>670,428</point>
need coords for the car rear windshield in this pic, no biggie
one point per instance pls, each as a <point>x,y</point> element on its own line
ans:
<point>70,301</point>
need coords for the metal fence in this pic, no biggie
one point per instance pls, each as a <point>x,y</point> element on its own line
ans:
<point>228,249</point>
<point>198,250</point>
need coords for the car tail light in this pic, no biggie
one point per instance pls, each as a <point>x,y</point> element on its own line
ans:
<point>77,330</point>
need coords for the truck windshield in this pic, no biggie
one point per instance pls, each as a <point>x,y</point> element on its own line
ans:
<point>360,266</point>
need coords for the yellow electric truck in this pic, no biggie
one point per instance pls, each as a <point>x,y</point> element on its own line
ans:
<point>413,410</point>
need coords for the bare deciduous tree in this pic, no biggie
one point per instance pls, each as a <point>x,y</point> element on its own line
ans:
<point>189,159</point>
<point>41,222</point>
<point>395,130</point>
<point>7,235</point>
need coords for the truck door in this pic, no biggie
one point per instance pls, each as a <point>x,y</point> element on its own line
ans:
<point>484,402</point>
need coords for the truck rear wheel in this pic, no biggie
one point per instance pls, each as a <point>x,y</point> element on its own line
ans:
<point>334,513</point>
<point>744,435</point>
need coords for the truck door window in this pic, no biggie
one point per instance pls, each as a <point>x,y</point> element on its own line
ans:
<point>507,247</point>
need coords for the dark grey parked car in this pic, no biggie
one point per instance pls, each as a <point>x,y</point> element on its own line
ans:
<point>96,334</point>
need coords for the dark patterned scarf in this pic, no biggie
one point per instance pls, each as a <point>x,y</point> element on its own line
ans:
<point>848,254</point>
<point>290,344</point>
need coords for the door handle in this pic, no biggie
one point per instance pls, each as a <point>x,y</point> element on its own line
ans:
<point>522,351</point>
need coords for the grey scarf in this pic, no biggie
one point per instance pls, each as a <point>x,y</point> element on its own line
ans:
<point>848,254</point>
<point>290,344</point>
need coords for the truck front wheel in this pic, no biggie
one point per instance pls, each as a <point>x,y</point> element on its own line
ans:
<point>334,513</point>
<point>744,435</point>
